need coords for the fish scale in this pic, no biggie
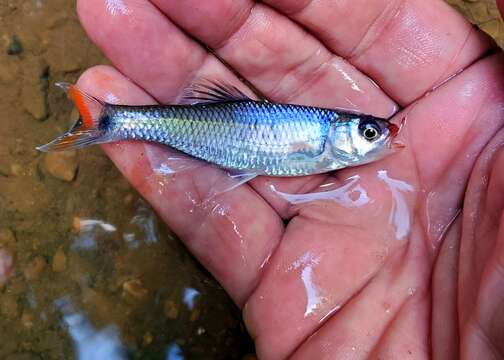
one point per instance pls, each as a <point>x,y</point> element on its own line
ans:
<point>239,135</point>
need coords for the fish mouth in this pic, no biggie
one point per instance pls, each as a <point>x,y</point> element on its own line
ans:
<point>394,130</point>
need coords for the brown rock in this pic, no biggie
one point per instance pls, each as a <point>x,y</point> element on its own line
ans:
<point>62,165</point>
<point>170,309</point>
<point>59,261</point>
<point>34,269</point>
<point>34,88</point>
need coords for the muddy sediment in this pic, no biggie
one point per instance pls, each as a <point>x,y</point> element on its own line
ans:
<point>65,249</point>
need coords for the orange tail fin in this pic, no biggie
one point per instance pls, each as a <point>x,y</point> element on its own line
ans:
<point>86,131</point>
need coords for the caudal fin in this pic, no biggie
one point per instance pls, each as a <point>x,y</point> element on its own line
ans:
<point>86,131</point>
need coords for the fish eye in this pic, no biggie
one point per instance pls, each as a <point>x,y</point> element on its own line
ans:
<point>370,131</point>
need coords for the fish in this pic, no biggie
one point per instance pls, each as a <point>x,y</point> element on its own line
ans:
<point>221,125</point>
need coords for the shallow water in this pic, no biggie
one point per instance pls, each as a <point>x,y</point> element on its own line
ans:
<point>77,276</point>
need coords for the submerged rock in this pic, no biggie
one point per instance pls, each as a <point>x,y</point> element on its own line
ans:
<point>34,89</point>
<point>62,165</point>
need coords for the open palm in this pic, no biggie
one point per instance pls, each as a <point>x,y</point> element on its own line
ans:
<point>405,258</point>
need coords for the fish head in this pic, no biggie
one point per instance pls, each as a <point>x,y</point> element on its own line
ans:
<point>362,139</point>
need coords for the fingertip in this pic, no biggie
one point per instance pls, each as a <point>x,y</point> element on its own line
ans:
<point>107,83</point>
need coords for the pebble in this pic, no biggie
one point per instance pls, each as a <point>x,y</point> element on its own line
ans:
<point>76,224</point>
<point>34,269</point>
<point>62,165</point>
<point>170,309</point>
<point>59,261</point>
<point>34,88</point>
<point>135,288</point>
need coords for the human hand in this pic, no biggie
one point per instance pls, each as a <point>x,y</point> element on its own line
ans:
<point>402,273</point>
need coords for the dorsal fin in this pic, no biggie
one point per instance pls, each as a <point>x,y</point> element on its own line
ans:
<point>212,91</point>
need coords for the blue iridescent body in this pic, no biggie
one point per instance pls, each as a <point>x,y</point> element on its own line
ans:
<point>238,133</point>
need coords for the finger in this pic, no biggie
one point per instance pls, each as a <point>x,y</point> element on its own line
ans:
<point>403,45</point>
<point>146,47</point>
<point>232,236</point>
<point>276,55</point>
<point>444,324</point>
<point>482,258</point>
<point>484,334</point>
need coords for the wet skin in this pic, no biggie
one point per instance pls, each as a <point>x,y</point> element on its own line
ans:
<point>334,281</point>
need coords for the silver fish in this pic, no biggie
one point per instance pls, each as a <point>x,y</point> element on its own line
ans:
<point>226,128</point>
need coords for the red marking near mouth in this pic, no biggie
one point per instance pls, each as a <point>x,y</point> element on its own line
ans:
<point>393,129</point>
